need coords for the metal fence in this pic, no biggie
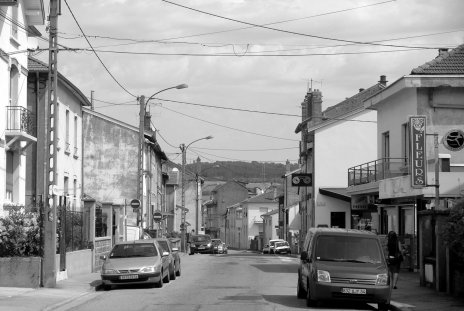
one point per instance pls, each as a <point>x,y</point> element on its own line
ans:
<point>74,230</point>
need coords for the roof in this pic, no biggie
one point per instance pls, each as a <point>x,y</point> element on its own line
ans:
<point>35,65</point>
<point>266,197</point>
<point>446,63</point>
<point>337,193</point>
<point>342,231</point>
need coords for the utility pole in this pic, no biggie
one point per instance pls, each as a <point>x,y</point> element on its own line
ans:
<point>51,139</point>
<point>182,222</point>
<point>140,163</point>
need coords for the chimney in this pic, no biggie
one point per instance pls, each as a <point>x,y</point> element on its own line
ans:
<point>383,80</point>
<point>316,104</point>
<point>360,90</point>
<point>442,51</point>
<point>287,166</point>
<point>147,121</point>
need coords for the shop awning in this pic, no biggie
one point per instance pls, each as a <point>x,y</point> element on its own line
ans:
<point>337,193</point>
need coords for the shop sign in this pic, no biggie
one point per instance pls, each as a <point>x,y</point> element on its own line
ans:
<point>454,140</point>
<point>418,151</point>
<point>302,179</point>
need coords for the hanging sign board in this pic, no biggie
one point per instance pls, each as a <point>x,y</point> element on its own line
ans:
<point>417,125</point>
<point>302,180</point>
<point>157,216</point>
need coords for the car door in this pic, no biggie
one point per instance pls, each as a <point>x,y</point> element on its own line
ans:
<point>305,265</point>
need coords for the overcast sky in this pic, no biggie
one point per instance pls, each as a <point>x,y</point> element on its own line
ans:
<point>256,58</point>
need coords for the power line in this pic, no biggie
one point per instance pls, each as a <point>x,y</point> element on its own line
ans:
<point>267,149</point>
<point>86,39</point>
<point>228,127</point>
<point>294,32</point>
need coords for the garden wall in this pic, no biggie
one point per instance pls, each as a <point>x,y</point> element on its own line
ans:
<point>20,271</point>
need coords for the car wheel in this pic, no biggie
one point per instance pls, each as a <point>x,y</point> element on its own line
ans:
<point>383,306</point>
<point>300,292</point>
<point>167,278</point>
<point>159,284</point>
<point>173,274</point>
<point>309,301</point>
<point>178,270</point>
<point>106,287</point>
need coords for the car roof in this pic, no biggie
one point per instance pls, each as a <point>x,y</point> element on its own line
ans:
<point>342,231</point>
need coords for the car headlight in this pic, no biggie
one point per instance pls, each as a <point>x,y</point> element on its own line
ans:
<point>382,279</point>
<point>323,276</point>
<point>209,245</point>
<point>147,269</point>
<point>109,271</point>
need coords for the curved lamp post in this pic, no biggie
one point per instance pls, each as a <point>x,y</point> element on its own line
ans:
<point>184,148</point>
<point>143,106</point>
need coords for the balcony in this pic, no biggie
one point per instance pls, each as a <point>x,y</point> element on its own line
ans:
<point>20,127</point>
<point>377,170</point>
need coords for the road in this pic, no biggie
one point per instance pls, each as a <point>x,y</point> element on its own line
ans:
<point>236,281</point>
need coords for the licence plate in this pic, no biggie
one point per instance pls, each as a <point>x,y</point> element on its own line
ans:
<point>129,277</point>
<point>356,291</point>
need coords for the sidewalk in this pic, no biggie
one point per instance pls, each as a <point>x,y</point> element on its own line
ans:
<point>77,289</point>
<point>411,296</point>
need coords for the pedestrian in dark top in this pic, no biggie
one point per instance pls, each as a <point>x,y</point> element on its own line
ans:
<point>395,257</point>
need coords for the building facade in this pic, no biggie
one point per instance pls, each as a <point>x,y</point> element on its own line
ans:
<point>18,128</point>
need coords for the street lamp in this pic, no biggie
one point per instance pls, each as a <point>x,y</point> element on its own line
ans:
<point>184,148</point>
<point>143,106</point>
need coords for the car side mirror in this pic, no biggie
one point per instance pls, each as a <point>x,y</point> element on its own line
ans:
<point>304,256</point>
<point>165,254</point>
<point>103,257</point>
<point>175,249</point>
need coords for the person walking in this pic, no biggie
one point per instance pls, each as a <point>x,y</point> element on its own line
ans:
<point>395,257</point>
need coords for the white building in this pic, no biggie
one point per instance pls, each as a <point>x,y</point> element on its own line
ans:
<point>17,33</point>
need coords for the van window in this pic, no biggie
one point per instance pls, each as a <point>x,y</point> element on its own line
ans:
<point>347,248</point>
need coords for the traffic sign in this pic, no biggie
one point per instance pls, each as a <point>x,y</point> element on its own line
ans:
<point>135,203</point>
<point>302,180</point>
<point>157,216</point>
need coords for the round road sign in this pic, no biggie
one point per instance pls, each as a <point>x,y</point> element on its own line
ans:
<point>135,203</point>
<point>157,216</point>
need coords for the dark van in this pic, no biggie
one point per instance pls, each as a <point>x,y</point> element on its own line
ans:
<point>343,264</point>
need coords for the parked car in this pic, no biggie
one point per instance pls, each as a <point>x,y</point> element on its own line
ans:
<point>343,264</point>
<point>269,248</point>
<point>281,248</point>
<point>135,262</point>
<point>201,243</point>
<point>218,246</point>
<point>174,265</point>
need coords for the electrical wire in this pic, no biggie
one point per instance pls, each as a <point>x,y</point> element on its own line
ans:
<point>103,64</point>
<point>294,32</point>
<point>228,127</point>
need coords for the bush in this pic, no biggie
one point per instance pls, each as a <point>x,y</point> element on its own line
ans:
<point>453,230</point>
<point>19,234</point>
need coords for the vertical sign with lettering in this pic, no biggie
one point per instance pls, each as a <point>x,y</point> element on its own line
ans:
<point>417,124</point>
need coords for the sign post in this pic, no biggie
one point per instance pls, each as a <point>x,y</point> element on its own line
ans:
<point>417,126</point>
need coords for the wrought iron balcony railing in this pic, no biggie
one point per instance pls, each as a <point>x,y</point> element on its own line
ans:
<point>377,170</point>
<point>19,119</point>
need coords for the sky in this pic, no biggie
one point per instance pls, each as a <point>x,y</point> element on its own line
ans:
<point>247,63</point>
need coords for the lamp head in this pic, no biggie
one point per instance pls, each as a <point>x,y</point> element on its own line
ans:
<point>182,86</point>
<point>208,137</point>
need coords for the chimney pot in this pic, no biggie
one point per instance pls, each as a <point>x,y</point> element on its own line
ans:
<point>360,90</point>
<point>383,80</point>
<point>442,51</point>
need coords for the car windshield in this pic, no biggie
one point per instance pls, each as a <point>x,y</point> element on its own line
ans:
<point>279,244</point>
<point>200,238</point>
<point>217,242</point>
<point>350,249</point>
<point>164,245</point>
<point>133,250</point>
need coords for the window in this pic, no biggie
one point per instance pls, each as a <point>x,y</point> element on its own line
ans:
<point>14,22</point>
<point>386,145</point>
<point>101,223</point>
<point>9,176</point>
<point>75,133</point>
<point>405,142</point>
<point>337,220</point>
<point>66,186</point>
<point>14,78</point>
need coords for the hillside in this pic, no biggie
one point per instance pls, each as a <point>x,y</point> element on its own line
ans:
<point>241,171</point>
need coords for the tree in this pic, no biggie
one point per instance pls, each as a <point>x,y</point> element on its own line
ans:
<point>453,230</point>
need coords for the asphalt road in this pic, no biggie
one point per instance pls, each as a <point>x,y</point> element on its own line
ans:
<point>236,281</point>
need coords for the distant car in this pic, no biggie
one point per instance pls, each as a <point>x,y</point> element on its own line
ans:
<point>135,262</point>
<point>225,249</point>
<point>218,246</point>
<point>201,243</point>
<point>282,248</point>
<point>174,266</point>
<point>343,264</point>
<point>271,245</point>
